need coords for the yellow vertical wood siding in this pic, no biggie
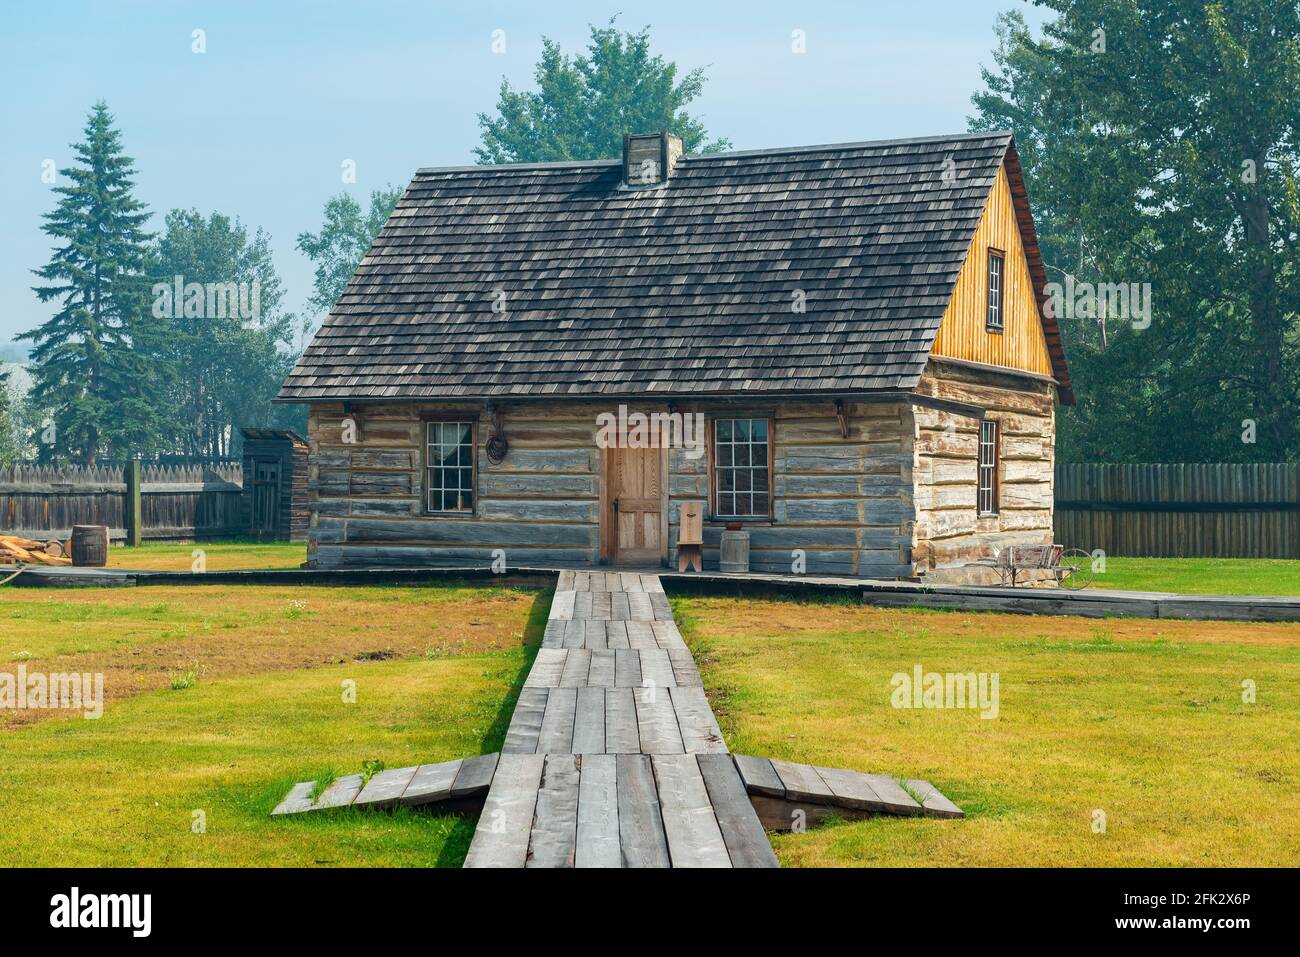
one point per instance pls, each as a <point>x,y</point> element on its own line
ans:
<point>962,335</point>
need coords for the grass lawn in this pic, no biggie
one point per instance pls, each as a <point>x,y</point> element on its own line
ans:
<point>218,556</point>
<point>220,698</point>
<point>1141,720</point>
<point>1202,576</point>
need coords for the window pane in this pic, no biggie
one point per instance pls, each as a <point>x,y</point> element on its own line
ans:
<point>741,430</point>
<point>726,480</point>
<point>759,428</point>
<point>760,503</point>
<point>727,504</point>
<point>743,480</point>
<point>724,430</point>
<point>742,454</point>
<point>724,455</point>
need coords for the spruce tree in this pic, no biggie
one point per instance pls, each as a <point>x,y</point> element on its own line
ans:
<point>93,364</point>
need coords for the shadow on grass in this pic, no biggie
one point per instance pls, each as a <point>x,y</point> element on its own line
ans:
<point>456,846</point>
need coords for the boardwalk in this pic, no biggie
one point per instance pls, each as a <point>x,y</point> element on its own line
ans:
<point>614,758</point>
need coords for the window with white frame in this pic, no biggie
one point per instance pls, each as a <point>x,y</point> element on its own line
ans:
<point>987,493</point>
<point>741,470</point>
<point>449,466</point>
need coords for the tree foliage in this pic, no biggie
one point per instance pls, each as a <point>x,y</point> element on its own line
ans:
<point>585,103</point>
<point>228,366</point>
<point>1161,142</point>
<point>94,361</point>
<point>343,241</point>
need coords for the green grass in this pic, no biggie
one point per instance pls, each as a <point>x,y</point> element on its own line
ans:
<point>1141,720</point>
<point>1202,576</point>
<point>215,724</point>
<point>217,556</point>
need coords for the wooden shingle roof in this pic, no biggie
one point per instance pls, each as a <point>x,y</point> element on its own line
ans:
<point>550,280</point>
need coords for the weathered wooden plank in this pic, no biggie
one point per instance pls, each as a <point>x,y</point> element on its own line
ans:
<point>577,664</point>
<point>759,776</point>
<point>566,581</point>
<point>627,668</point>
<point>340,792</point>
<point>640,607</point>
<point>803,783</point>
<point>600,605</point>
<point>893,797</point>
<point>642,841</point>
<point>668,636</point>
<point>598,830</point>
<point>695,719</point>
<point>694,837</point>
<point>685,673</point>
<point>656,668</point>
<point>385,788</point>
<point>526,722</point>
<point>432,782</point>
<point>575,633</point>
<point>747,843</point>
<point>594,635</point>
<point>618,606</point>
<point>935,803</point>
<point>616,635</point>
<point>556,733</point>
<point>651,583</point>
<point>582,605</point>
<point>297,800</point>
<point>562,604</point>
<point>502,836</point>
<point>601,674</point>
<point>851,789</point>
<point>657,721</point>
<point>630,582</point>
<point>475,776</point>
<point>589,722</point>
<point>548,668</point>
<point>553,637</point>
<point>582,581</point>
<point>555,817</point>
<point>640,635</point>
<point>622,735</point>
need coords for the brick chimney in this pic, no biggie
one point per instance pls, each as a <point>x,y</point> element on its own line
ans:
<point>649,158</point>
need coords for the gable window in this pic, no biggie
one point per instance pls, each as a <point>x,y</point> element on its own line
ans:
<point>997,279</point>
<point>449,466</point>
<point>741,469</point>
<point>987,493</point>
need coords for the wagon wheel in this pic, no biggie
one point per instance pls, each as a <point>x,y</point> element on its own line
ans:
<point>1075,569</point>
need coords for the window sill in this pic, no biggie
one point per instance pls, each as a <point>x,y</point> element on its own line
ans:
<point>995,330</point>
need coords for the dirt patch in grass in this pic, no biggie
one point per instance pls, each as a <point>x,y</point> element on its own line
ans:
<point>158,636</point>
<point>799,617</point>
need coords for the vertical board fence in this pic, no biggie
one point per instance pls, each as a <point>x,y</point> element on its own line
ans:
<point>1180,511</point>
<point>176,501</point>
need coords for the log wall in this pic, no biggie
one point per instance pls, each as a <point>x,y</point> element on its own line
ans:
<point>949,531</point>
<point>844,501</point>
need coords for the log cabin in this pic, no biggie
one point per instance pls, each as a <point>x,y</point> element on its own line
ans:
<point>859,330</point>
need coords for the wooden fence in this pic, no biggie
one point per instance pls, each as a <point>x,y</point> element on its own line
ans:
<point>1180,511</point>
<point>174,501</point>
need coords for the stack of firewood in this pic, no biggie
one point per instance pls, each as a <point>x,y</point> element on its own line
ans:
<point>14,549</point>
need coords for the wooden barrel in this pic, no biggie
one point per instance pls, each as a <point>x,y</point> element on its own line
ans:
<point>90,545</point>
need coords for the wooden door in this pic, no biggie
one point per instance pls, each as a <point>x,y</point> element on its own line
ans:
<point>266,499</point>
<point>634,505</point>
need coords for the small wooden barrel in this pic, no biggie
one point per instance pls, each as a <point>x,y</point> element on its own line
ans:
<point>90,545</point>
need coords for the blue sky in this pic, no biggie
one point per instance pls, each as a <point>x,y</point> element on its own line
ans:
<point>258,126</point>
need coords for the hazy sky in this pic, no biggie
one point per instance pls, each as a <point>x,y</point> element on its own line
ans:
<point>258,126</point>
